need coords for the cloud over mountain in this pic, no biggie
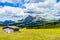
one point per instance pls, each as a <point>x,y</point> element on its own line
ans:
<point>12,13</point>
<point>45,7</point>
<point>48,9</point>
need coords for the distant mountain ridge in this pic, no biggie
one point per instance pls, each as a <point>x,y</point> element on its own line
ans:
<point>29,19</point>
<point>7,22</point>
<point>37,19</point>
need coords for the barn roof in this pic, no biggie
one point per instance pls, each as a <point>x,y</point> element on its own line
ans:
<point>14,27</point>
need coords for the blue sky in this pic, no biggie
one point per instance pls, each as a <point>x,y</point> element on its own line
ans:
<point>15,5</point>
<point>20,9</point>
<point>12,4</point>
<point>58,0</point>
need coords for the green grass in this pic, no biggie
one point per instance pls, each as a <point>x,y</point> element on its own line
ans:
<point>32,34</point>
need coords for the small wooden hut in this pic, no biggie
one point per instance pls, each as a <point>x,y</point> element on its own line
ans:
<point>10,29</point>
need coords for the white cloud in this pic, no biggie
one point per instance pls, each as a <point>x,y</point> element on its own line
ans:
<point>12,13</point>
<point>46,7</point>
<point>34,1</point>
<point>45,4</point>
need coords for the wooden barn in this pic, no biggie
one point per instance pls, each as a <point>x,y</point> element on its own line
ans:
<point>10,29</point>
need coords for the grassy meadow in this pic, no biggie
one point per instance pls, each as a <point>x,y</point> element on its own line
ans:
<point>32,34</point>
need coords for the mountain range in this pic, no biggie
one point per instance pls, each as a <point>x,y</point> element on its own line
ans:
<point>29,19</point>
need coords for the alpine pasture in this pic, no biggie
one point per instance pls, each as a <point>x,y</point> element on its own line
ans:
<point>32,34</point>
